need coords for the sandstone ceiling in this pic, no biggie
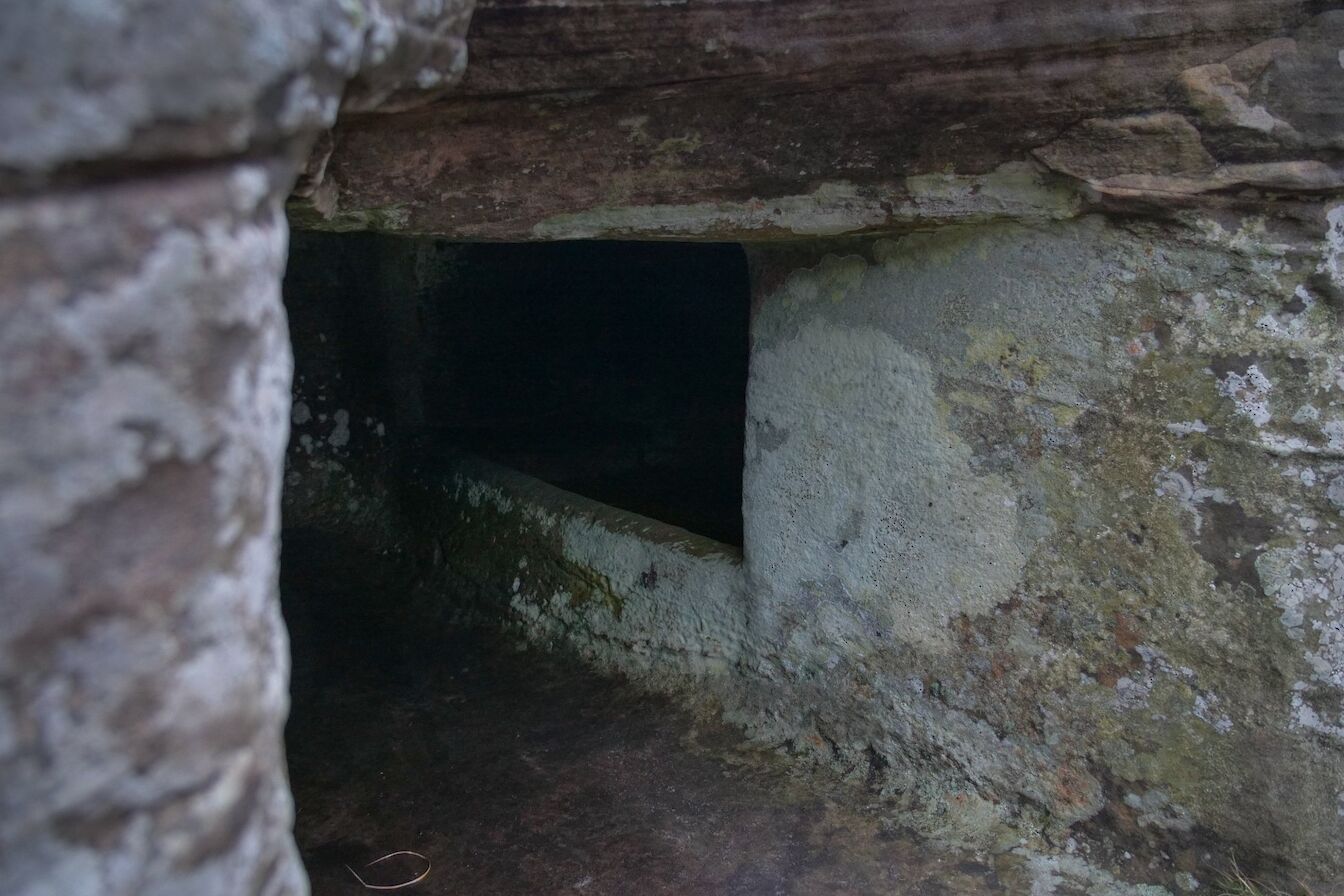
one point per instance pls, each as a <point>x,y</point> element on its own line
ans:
<point>744,119</point>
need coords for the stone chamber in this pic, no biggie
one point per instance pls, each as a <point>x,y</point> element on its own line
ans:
<point>725,447</point>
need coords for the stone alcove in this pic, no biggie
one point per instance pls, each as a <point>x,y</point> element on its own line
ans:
<point>1042,461</point>
<point>613,370</point>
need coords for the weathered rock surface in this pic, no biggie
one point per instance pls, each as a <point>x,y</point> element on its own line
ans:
<point>143,662</point>
<point>91,88</point>
<point>1042,512</point>
<point>748,120</point>
<point>145,150</point>
<point>1049,509</point>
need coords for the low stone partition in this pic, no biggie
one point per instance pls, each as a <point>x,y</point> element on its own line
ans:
<point>655,602</point>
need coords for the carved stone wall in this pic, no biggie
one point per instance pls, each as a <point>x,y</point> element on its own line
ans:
<point>1041,529</point>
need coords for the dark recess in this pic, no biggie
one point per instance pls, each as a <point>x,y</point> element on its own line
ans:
<point>616,370</point>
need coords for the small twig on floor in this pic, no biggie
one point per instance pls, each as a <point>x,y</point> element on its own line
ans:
<point>405,852</point>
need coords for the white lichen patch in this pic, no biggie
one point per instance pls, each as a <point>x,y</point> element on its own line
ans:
<point>1207,710</point>
<point>1249,391</point>
<point>1014,191</point>
<point>1332,255</point>
<point>1154,808</point>
<point>1307,413</point>
<point>1251,241</point>
<point>340,433</point>
<point>1187,427</point>
<point>1292,326</point>
<point>856,404</point>
<point>1187,488</point>
<point>1065,873</point>
<point>1307,583</point>
<point>835,277</point>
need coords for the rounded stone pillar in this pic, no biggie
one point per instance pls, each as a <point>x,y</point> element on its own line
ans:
<point>143,660</point>
<point>145,155</point>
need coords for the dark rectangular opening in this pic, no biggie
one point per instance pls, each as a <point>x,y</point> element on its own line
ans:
<point>616,370</point>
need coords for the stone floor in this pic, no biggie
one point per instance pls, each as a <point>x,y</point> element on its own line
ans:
<point>522,773</point>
